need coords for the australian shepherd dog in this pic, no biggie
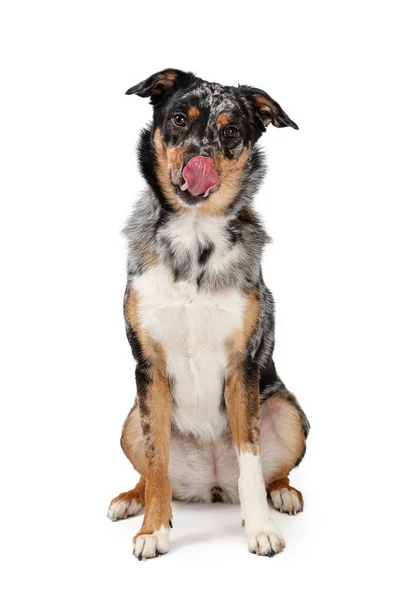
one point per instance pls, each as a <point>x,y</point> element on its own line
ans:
<point>212,421</point>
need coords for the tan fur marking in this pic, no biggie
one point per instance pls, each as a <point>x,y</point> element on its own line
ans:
<point>193,113</point>
<point>280,484</point>
<point>249,211</point>
<point>167,79</point>
<point>238,342</point>
<point>171,76</point>
<point>284,483</point>
<point>137,494</point>
<point>175,156</point>
<point>152,350</point>
<point>231,177</point>
<point>148,257</point>
<point>290,432</point>
<point>261,101</point>
<point>167,165</point>
<point>243,397</point>
<point>163,171</point>
<point>132,441</point>
<point>158,512</point>
<point>155,410</point>
<point>264,107</point>
<point>222,119</point>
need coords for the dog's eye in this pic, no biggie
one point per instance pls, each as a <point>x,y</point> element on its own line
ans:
<point>179,120</point>
<point>231,132</point>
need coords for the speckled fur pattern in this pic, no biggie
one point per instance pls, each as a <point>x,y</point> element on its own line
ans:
<point>194,280</point>
<point>223,252</point>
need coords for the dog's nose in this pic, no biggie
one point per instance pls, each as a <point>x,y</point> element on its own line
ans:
<point>191,155</point>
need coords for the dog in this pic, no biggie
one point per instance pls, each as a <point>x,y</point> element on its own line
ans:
<point>212,421</point>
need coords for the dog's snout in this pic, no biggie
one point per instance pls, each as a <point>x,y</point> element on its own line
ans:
<point>192,154</point>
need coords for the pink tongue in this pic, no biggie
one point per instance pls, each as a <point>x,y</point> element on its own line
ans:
<point>199,175</point>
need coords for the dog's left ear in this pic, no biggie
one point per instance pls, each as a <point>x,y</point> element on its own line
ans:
<point>267,110</point>
<point>159,85</point>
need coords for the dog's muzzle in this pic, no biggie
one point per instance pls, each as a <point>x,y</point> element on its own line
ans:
<point>200,176</point>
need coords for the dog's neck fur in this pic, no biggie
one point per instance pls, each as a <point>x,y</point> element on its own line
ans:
<point>216,252</point>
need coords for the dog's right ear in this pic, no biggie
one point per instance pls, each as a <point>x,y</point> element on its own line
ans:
<point>161,84</point>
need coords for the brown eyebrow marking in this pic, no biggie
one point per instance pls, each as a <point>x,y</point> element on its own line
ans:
<point>222,119</point>
<point>193,113</point>
<point>171,76</point>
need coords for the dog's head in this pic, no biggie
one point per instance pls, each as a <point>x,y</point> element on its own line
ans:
<point>203,135</point>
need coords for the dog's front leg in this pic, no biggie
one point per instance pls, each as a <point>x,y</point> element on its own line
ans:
<point>155,404</point>
<point>242,398</point>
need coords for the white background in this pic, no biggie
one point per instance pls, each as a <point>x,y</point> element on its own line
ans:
<point>69,179</point>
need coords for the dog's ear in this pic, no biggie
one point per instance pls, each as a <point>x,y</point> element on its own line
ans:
<point>161,84</point>
<point>266,109</point>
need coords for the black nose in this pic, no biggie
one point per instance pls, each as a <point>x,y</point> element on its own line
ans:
<point>191,155</point>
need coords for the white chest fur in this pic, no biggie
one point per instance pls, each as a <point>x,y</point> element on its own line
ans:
<point>192,327</point>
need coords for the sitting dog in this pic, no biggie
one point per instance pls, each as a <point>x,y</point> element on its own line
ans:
<point>213,421</point>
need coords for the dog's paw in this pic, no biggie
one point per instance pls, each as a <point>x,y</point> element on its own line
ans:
<point>287,500</point>
<point>266,543</point>
<point>151,545</point>
<point>123,506</point>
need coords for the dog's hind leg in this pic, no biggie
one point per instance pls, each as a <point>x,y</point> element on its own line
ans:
<point>284,429</point>
<point>129,503</point>
<point>132,442</point>
<point>284,497</point>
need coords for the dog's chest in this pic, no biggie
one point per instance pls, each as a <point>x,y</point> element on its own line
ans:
<point>192,327</point>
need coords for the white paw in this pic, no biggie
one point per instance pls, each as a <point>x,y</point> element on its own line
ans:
<point>121,509</point>
<point>152,544</point>
<point>287,501</point>
<point>266,543</point>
